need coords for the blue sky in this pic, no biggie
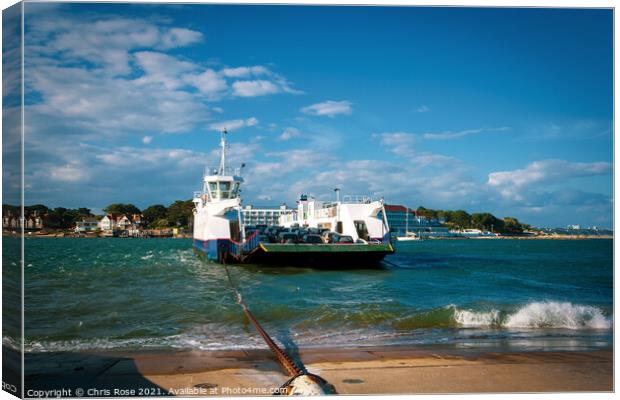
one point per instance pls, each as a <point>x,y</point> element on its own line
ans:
<point>500,110</point>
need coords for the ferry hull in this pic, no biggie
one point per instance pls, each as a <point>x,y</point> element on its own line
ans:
<point>329,256</point>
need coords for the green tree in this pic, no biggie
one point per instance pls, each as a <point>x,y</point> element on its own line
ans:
<point>512,226</point>
<point>486,221</point>
<point>121,208</point>
<point>60,218</point>
<point>84,212</point>
<point>10,209</point>
<point>154,213</point>
<point>427,213</point>
<point>460,219</point>
<point>443,215</point>
<point>39,209</point>
<point>161,223</point>
<point>180,212</point>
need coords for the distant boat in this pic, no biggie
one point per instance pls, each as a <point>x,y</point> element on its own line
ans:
<point>412,237</point>
<point>409,236</point>
<point>473,233</point>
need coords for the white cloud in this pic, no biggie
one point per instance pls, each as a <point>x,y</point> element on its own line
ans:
<point>513,185</point>
<point>402,144</point>
<point>399,143</point>
<point>71,173</point>
<point>396,138</point>
<point>161,68</point>
<point>289,133</point>
<point>208,82</point>
<point>143,158</point>
<point>109,77</point>
<point>104,42</point>
<point>572,129</point>
<point>449,135</point>
<point>147,139</point>
<point>300,158</point>
<point>179,37</point>
<point>233,125</point>
<point>105,107</point>
<point>254,88</point>
<point>174,73</point>
<point>422,109</point>
<point>329,108</point>
<point>242,72</point>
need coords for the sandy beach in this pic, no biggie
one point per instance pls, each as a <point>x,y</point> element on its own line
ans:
<point>378,370</point>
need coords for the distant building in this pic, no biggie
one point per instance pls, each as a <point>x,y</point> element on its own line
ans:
<point>398,218</point>
<point>108,222</point>
<point>88,224</point>
<point>31,222</point>
<point>111,222</point>
<point>263,216</point>
<point>136,220</point>
<point>402,220</point>
<point>123,222</point>
<point>574,227</point>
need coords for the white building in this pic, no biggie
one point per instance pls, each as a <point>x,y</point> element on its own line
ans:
<point>86,225</point>
<point>107,223</point>
<point>123,222</point>
<point>263,216</point>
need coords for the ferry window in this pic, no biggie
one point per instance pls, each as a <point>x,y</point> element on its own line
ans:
<point>224,194</point>
<point>224,185</point>
<point>362,230</point>
<point>339,227</point>
<point>212,187</point>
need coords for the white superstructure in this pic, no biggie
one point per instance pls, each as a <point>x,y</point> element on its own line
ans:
<point>216,207</point>
<point>355,216</point>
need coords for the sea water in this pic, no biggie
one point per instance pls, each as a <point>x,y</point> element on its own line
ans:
<point>112,293</point>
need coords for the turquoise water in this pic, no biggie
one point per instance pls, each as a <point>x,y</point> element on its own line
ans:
<point>112,293</point>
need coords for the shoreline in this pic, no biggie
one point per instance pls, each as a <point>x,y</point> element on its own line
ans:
<point>542,237</point>
<point>547,237</point>
<point>355,370</point>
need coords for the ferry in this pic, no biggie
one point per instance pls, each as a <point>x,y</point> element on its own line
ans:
<point>352,232</point>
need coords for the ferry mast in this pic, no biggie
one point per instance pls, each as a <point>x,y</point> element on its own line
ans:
<point>223,145</point>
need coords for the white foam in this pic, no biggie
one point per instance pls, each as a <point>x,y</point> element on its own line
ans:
<point>547,314</point>
<point>552,314</point>
<point>472,319</point>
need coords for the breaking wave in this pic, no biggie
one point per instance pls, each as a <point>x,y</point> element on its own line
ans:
<point>548,314</point>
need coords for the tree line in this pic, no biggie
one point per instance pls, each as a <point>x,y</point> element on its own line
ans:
<point>460,219</point>
<point>177,214</point>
